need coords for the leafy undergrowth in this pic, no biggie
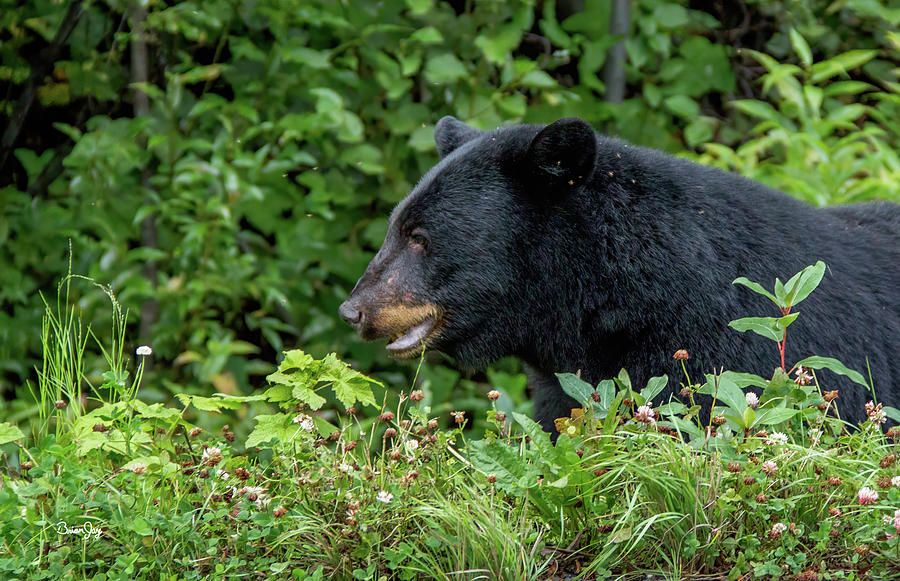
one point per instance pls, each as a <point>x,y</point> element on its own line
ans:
<point>133,490</point>
<point>768,483</point>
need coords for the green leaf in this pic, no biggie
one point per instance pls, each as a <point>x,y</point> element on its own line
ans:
<point>758,109</point>
<point>350,386</point>
<point>755,287</point>
<point>765,326</point>
<point>840,64</point>
<point>514,474</point>
<point>654,387</point>
<point>576,388</point>
<point>670,15</point>
<point>835,366</point>
<point>427,35</point>
<point>538,79</point>
<point>683,106</point>
<point>803,283</point>
<point>801,48</point>
<point>9,433</point>
<point>444,69</point>
<point>773,416</point>
<point>275,427</point>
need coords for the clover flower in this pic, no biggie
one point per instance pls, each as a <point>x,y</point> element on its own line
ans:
<point>777,438</point>
<point>875,413</point>
<point>752,399</point>
<point>144,350</point>
<point>306,422</point>
<point>802,376</point>
<point>769,467</point>
<point>384,496</point>
<point>211,456</point>
<point>645,414</point>
<point>777,529</point>
<point>867,496</point>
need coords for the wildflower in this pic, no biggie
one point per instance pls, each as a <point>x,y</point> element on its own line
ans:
<point>345,468</point>
<point>493,395</point>
<point>734,466</point>
<point>492,478</point>
<point>815,435</point>
<point>60,404</point>
<point>681,355</point>
<point>306,422</point>
<point>896,522</point>
<point>761,498</point>
<point>195,432</point>
<point>802,376</point>
<point>411,446</point>
<point>596,397</point>
<point>777,529</point>
<point>685,392</point>
<point>769,467</point>
<point>645,414</point>
<point>888,460</point>
<point>500,417</point>
<point>776,438</point>
<point>718,420</point>
<point>384,496</point>
<point>834,481</point>
<point>417,395</point>
<point>211,456</point>
<point>752,399</point>
<point>830,396</point>
<point>144,350</point>
<point>432,424</point>
<point>834,511</point>
<point>222,474</point>
<point>867,496</point>
<point>138,468</point>
<point>459,417</point>
<point>895,481</point>
<point>390,433</point>
<point>884,482</point>
<point>875,413</point>
<point>280,511</point>
<point>386,417</point>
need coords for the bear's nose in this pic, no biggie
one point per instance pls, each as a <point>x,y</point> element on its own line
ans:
<point>350,313</point>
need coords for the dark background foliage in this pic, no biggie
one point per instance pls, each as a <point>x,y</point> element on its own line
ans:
<point>227,167</point>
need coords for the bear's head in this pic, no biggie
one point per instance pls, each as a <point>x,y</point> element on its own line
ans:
<point>466,251</point>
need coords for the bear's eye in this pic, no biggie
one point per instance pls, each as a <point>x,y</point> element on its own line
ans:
<point>418,238</point>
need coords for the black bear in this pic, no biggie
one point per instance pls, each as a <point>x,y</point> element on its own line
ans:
<point>575,251</point>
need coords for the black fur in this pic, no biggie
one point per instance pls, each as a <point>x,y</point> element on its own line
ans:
<point>574,251</point>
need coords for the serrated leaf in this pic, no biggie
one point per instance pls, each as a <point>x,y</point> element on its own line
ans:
<point>445,68</point>
<point>274,427</point>
<point>514,474</point>
<point>835,366</point>
<point>308,396</point>
<point>10,433</point>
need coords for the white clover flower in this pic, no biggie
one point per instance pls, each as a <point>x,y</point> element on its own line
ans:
<point>777,529</point>
<point>895,481</point>
<point>752,399</point>
<point>769,467</point>
<point>144,350</point>
<point>345,468</point>
<point>306,422</point>
<point>411,446</point>
<point>222,474</point>
<point>867,496</point>
<point>138,467</point>
<point>815,435</point>
<point>645,414</point>
<point>384,496</point>
<point>776,438</point>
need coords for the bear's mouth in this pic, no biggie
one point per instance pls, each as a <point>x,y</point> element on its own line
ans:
<point>413,340</point>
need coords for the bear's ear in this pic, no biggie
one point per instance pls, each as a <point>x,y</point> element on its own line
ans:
<point>564,152</point>
<point>450,133</point>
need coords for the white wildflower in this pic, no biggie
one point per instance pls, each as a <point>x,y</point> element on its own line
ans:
<point>776,438</point>
<point>752,399</point>
<point>384,496</point>
<point>144,350</point>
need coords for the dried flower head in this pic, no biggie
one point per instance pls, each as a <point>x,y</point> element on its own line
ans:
<point>386,417</point>
<point>390,433</point>
<point>417,395</point>
<point>681,355</point>
<point>138,468</point>
<point>493,395</point>
<point>888,460</point>
<point>492,478</point>
<point>211,456</point>
<point>734,466</point>
<point>830,396</point>
<point>459,417</point>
